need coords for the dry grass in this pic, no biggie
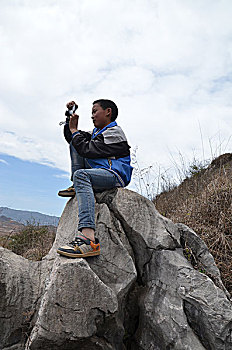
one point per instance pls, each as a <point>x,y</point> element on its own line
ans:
<point>32,242</point>
<point>204,203</point>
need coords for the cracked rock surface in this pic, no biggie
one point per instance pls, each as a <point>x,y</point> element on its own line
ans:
<point>141,293</point>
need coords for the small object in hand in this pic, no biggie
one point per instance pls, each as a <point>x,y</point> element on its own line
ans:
<point>71,109</point>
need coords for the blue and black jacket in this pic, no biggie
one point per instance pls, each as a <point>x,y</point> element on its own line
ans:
<point>106,148</point>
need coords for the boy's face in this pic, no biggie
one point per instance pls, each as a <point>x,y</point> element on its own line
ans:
<point>101,117</point>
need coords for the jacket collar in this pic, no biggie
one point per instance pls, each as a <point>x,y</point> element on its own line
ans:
<point>100,131</point>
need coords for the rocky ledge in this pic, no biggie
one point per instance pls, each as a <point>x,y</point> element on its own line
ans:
<point>141,293</point>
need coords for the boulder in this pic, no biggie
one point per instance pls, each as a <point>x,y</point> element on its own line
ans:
<point>141,293</point>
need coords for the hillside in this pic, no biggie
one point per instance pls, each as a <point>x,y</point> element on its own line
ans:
<point>7,226</point>
<point>24,216</point>
<point>204,203</point>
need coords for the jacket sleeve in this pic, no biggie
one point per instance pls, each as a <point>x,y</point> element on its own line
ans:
<point>97,148</point>
<point>67,132</point>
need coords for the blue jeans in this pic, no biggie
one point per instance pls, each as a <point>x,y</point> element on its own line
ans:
<point>86,180</point>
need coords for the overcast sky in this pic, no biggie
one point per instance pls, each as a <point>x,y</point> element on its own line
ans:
<point>166,63</point>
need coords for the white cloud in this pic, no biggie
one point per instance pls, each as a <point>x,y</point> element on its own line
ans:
<point>62,176</point>
<point>166,64</point>
<point>4,162</point>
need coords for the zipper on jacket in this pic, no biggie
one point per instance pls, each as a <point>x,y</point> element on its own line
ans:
<point>110,163</point>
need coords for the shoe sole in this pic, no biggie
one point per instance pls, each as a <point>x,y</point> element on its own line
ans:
<point>72,255</point>
<point>66,195</point>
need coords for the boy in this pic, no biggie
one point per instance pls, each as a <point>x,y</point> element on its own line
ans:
<point>100,161</point>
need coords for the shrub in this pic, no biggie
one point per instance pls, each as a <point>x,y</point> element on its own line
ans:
<point>32,242</point>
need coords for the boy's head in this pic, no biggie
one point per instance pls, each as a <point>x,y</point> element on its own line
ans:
<point>105,104</point>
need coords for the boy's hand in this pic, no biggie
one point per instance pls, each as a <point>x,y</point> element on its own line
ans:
<point>73,123</point>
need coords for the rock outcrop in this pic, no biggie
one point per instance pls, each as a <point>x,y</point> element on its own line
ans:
<point>141,293</point>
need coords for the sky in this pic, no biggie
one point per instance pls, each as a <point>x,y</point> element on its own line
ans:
<point>166,63</point>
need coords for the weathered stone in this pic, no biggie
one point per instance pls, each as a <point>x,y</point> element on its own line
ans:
<point>140,293</point>
<point>145,228</point>
<point>75,301</point>
<point>21,284</point>
<point>94,286</point>
<point>180,303</point>
<point>201,254</point>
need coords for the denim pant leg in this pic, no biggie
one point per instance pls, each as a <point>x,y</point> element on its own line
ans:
<point>85,180</point>
<point>77,162</point>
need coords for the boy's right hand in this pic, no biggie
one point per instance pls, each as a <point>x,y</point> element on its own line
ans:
<point>73,123</point>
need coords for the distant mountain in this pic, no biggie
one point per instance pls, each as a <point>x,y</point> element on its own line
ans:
<point>24,216</point>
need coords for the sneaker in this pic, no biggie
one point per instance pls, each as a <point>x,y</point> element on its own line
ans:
<point>69,192</point>
<point>81,247</point>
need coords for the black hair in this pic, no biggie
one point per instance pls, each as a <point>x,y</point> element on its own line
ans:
<point>108,104</point>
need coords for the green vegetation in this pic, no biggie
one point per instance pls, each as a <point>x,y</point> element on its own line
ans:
<point>32,242</point>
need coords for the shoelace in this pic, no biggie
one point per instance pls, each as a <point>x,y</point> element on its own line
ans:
<point>77,241</point>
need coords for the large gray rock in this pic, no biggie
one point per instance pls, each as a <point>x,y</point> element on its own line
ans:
<point>140,293</point>
<point>200,254</point>
<point>182,308</point>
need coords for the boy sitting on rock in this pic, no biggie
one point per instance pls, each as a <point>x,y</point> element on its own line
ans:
<point>100,161</point>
